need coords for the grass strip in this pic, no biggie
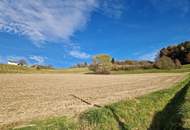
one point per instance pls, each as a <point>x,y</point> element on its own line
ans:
<point>175,115</point>
<point>185,111</point>
<point>135,114</point>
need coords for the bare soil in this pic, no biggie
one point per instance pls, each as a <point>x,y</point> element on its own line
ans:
<point>26,97</point>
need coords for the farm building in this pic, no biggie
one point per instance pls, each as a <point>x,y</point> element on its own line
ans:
<point>19,62</point>
<point>11,62</point>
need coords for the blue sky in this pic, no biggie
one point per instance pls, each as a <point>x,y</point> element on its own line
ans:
<point>64,32</point>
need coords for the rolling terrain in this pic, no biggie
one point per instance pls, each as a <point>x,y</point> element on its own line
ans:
<point>25,97</point>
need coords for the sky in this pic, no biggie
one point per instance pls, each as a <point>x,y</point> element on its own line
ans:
<point>62,33</point>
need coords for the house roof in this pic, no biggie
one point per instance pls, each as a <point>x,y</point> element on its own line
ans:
<point>12,61</point>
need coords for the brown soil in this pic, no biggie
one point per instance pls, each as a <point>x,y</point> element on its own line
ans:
<point>25,97</point>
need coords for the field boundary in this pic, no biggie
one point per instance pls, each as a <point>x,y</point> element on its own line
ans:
<point>169,118</point>
<point>177,91</point>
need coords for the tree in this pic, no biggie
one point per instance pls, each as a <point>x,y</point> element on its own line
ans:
<point>101,64</point>
<point>187,58</point>
<point>165,63</point>
<point>22,62</point>
<point>85,64</point>
<point>177,63</point>
<point>180,52</point>
<point>112,60</point>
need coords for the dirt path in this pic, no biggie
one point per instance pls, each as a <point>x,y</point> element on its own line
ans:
<point>37,96</point>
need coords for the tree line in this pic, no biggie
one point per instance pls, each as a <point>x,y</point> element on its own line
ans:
<point>171,57</point>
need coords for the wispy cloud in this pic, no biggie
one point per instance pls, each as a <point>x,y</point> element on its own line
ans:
<point>148,56</point>
<point>29,59</point>
<point>51,20</point>
<point>45,20</point>
<point>38,59</point>
<point>4,59</point>
<point>112,8</point>
<point>78,54</point>
<point>16,58</point>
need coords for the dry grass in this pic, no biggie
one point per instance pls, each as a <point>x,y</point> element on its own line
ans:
<point>25,97</point>
<point>4,68</point>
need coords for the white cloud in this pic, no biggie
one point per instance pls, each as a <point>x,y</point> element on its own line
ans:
<point>112,8</point>
<point>16,58</point>
<point>78,54</point>
<point>45,20</point>
<point>4,59</point>
<point>149,56</point>
<point>38,59</point>
<point>51,20</point>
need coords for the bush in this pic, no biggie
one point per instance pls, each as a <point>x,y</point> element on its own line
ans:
<point>101,68</point>
<point>165,63</point>
<point>117,67</point>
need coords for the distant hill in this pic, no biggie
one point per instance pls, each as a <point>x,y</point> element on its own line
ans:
<point>179,52</point>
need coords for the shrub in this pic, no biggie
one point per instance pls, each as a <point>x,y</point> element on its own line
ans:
<point>101,68</point>
<point>165,63</point>
<point>126,67</point>
<point>93,67</point>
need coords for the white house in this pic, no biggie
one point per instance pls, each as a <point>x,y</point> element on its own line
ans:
<point>10,62</point>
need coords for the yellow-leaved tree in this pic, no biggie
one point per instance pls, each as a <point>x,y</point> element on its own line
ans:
<point>101,64</point>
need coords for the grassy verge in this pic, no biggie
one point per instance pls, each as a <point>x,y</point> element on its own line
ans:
<point>176,114</point>
<point>185,111</point>
<point>135,114</point>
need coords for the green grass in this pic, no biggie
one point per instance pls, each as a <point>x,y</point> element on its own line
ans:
<point>135,114</point>
<point>163,109</point>
<point>62,123</point>
<point>20,69</point>
<point>176,114</point>
<point>185,111</point>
